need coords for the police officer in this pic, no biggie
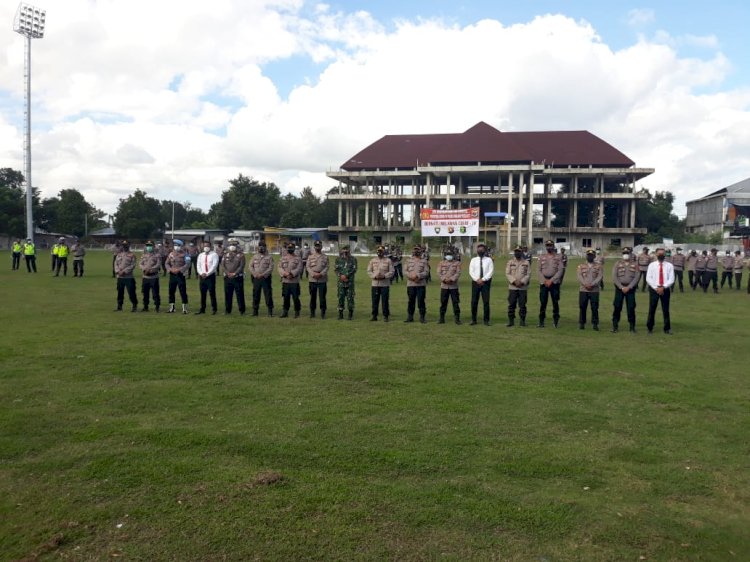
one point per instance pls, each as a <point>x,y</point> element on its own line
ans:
<point>625,275</point>
<point>150,264</point>
<point>678,262</point>
<point>261,271</point>
<point>124,266</point>
<point>53,254</point>
<point>78,253</point>
<point>178,264</point>
<point>690,265</point>
<point>589,276</point>
<point>163,250</point>
<point>63,250</point>
<point>518,274</point>
<point>711,275</point>
<point>380,270</point>
<point>727,265</point>
<point>206,266</point>
<point>193,252</point>
<point>417,272</point>
<point>643,262</point>
<point>449,270</point>
<point>739,264</point>
<point>317,273</point>
<point>398,258</point>
<point>16,250</point>
<point>305,254</point>
<point>290,269</point>
<point>564,260</point>
<point>29,254</point>
<point>233,264</point>
<point>550,272</point>
<point>346,268</point>
<point>700,270</point>
<point>599,259</point>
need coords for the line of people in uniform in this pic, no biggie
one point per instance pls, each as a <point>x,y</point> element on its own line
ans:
<point>59,252</point>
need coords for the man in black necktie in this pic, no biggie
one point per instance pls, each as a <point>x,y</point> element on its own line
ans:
<point>481,269</point>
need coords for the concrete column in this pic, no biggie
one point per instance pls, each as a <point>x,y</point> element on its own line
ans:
<point>632,213</point>
<point>510,212</point>
<point>600,222</point>
<point>574,214</point>
<point>356,214</point>
<point>428,189</point>
<point>519,230</point>
<point>340,211</point>
<point>448,191</point>
<point>548,203</point>
<point>530,212</point>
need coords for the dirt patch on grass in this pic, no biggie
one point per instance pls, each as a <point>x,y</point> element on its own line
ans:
<point>49,546</point>
<point>267,478</point>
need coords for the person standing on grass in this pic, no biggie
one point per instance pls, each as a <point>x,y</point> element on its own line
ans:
<point>643,262</point>
<point>53,255</point>
<point>63,250</point>
<point>417,273</point>
<point>150,265</point>
<point>589,276</point>
<point>261,273</point>
<point>29,254</point>
<point>305,254</point>
<point>193,252</point>
<point>625,275</point>
<point>739,264</point>
<point>711,274</point>
<point>178,264</point>
<point>124,266</point>
<point>317,273</point>
<point>690,262</point>
<point>206,265</point>
<point>78,253</point>
<point>16,250</point>
<point>660,279</point>
<point>518,274</point>
<point>380,270</point>
<point>700,270</point>
<point>550,271</point>
<point>233,261</point>
<point>290,269</point>
<point>346,268</point>
<point>678,262</point>
<point>727,264</point>
<point>449,270</point>
<point>481,269</point>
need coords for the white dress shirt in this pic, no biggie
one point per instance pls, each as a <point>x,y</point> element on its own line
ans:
<point>487,268</point>
<point>207,263</point>
<point>652,274</point>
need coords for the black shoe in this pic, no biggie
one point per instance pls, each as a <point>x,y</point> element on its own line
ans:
<point>322,314</point>
<point>200,312</point>
<point>650,332</point>
<point>668,332</point>
<point>284,314</point>
<point>473,323</point>
<point>213,313</point>
<point>374,319</point>
<point>523,323</point>
<point>296,313</point>
<point>632,329</point>
<point>270,312</point>
<point>385,318</point>
<point>556,323</point>
<point>614,329</point>
<point>441,320</point>
<point>487,323</point>
<point>144,309</point>
<point>118,309</point>
<point>595,327</point>
<point>458,320</point>
<point>422,319</point>
<point>135,308</point>
<point>351,314</point>
<point>341,314</point>
<point>255,312</point>
<point>540,325</point>
<point>510,323</point>
<point>312,314</point>
<point>409,319</point>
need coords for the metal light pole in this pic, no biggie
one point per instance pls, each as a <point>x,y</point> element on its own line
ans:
<point>29,22</point>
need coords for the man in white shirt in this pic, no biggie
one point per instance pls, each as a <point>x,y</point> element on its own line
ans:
<point>208,263</point>
<point>481,269</point>
<point>660,278</point>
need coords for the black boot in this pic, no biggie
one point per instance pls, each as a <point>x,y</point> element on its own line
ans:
<point>632,328</point>
<point>296,313</point>
<point>511,322</point>
<point>422,319</point>
<point>322,314</point>
<point>374,318</point>
<point>134,308</point>
<point>457,318</point>
<point>341,314</point>
<point>409,318</point>
<point>523,322</point>
<point>614,328</point>
<point>595,327</point>
<point>270,312</point>
<point>442,318</point>
<point>284,313</point>
<point>541,323</point>
<point>385,318</point>
<point>312,314</point>
<point>255,312</point>
<point>351,313</point>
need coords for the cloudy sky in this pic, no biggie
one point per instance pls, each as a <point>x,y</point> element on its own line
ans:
<point>177,97</point>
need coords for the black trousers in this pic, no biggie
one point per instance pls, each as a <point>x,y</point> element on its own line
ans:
<point>265,286</point>
<point>31,263</point>
<point>445,294</point>
<point>517,297</point>
<point>150,285</point>
<point>629,300</point>
<point>398,271</point>
<point>378,294</point>
<point>77,268</point>
<point>290,292</point>
<point>726,276</point>
<point>692,279</point>
<point>642,280</point>
<point>738,281</point>
<point>653,300</point>
<point>208,285</point>
<point>545,293</point>
<point>177,281</point>
<point>62,263</point>
<point>484,292</point>
<point>586,299</point>
<point>54,263</point>
<point>710,277</point>
<point>232,286</point>
<point>416,299</point>
<point>678,276</point>
<point>16,260</point>
<point>315,290</point>
<point>129,285</point>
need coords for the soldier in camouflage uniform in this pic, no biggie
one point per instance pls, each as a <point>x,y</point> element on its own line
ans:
<point>625,275</point>
<point>449,270</point>
<point>345,267</point>
<point>124,266</point>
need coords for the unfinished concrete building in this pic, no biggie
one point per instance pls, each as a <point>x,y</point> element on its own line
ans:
<point>568,186</point>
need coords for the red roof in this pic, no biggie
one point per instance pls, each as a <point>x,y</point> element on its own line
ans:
<point>485,144</point>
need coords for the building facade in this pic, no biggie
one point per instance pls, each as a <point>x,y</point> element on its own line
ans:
<point>727,210</point>
<point>569,186</point>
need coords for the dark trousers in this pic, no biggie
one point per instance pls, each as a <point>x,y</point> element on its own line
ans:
<point>150,285</point>
<point>653,300</point>
<point>691,279</point>
<point>544,295</point>
<point>177,281</point>
<point>738,281</point>
<point>122,285</point>
<point>315,290</point>
<point>398,271</point>
<point>629,300</point>
<point>208,285</point>
<point>290,292</point>
<point>455,299</point>
<point>726,276</point>
<point>699,274</point>
<point>378,294</point>
<point>517,297</point>
<point>710,276</point>
<point>584,300</point>
<point>31,263</point>
<point>642,280</point>
<point>16,260</point>
<point>264,286</point>
<point>232,286</point>
<point>62,263</point>
<point>678,277</point>
<point>484,292</point>
<point>416,296</point>
<point>54,263</point>
<point>77,268</point>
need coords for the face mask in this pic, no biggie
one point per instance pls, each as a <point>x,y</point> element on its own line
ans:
<point>626,257</point>
<point>344,254</point>
<point>262,249</point>
<point>126,248</point>
<point>590,259</point>
<point>149,248</point>
<point>550,250</point>
<point>660,258</point>
<point>480,253</point>
<point>518,255</point>
<point>232,248</point>
<point>380,254</point>
<point>290,250</point>
<point>206,250</point>
<point>679,252</point>
<point>449,257</point>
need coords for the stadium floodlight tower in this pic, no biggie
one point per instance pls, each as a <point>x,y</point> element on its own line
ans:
<point>29,22</point>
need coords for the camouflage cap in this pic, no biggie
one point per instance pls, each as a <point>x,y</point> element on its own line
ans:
<point>381,248</point>
<point>590,252</point>
<point>518,249</point>
<point>549,243</point>
<point>627,250</point>
<point>290,246</point>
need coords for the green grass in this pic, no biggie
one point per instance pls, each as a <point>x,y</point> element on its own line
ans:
<point>171,437</point>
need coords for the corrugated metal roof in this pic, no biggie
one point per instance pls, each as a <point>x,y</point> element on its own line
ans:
<point>483,143</point>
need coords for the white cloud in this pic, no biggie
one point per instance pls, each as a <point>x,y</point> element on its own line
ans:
<point>172,97</point>
<point>640,17</point>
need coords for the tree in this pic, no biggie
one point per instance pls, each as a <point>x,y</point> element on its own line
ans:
<point>70,213</point>
<point>655,214</point>
<point>247,204</point>
<point>13,203</point>
<point>138,216</point>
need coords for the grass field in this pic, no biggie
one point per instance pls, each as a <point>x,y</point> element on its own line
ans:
<point>170,437</point>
